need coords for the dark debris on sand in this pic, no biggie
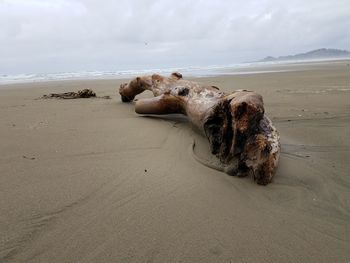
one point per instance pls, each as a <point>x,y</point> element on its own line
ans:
<point>81,94</point>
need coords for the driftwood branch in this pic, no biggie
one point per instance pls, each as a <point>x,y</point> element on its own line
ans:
<point>239,133</point>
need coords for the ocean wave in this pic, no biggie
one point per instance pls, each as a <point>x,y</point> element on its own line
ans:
<point>194,71</point>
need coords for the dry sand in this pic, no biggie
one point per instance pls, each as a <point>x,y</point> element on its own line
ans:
<point>90,181</point>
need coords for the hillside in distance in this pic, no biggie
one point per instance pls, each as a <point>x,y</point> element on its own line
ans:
<point>323,53</point>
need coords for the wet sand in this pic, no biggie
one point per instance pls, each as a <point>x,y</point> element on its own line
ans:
<point>88,180</point>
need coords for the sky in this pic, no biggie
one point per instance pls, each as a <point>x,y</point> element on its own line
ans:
<point>49,36</point>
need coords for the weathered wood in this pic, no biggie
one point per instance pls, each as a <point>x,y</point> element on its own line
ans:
<point>239,133</point>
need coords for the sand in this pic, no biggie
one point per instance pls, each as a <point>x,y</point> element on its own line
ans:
<point>88,180</point>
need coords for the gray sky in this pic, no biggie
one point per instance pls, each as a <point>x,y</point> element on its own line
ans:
<point>40,36</point>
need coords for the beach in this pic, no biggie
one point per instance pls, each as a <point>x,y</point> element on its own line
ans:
<point>89,180</point>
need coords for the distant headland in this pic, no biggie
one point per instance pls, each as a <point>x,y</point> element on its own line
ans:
<point>322,53</point>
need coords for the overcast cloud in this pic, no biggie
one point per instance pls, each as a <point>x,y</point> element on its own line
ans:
<point>39,36</point>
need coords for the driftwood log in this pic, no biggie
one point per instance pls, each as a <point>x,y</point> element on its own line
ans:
<point>239,133</point>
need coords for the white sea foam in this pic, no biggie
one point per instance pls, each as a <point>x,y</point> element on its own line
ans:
<point>124,74</point>
<point>214,70</point>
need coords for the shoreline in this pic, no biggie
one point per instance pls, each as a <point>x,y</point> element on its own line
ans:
<point>247,68</point>
<point>90,180</point>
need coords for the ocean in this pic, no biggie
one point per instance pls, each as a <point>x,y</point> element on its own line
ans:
<point>202,71</point>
